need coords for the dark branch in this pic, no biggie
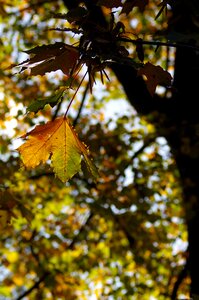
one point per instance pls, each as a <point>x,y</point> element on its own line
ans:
<point>129,237</point>
<point>158,43</point>
<point>71,245</point>
<point>134,87</point>
<point>57,110</point>
<point>145,145</point>
<point>179,280</point>
<point>35,286</point>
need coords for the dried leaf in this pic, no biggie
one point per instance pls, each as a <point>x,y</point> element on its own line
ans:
<point>58,140</point>
<point>53,57</point>
<point>155,75</point>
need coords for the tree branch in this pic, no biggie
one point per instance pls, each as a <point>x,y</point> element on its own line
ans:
<point>71,245</point>
<point>147,142</point>
<point>179,280</point>
<point>35,286</point>
<point>135,88</point>
<point>158,43</point>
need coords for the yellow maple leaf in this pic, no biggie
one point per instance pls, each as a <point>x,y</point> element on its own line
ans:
<point>56,140</point>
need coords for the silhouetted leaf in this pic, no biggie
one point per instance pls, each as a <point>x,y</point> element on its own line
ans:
<point>155,75</point>
<point>48,58</point>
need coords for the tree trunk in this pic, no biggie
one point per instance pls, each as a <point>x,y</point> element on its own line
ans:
<point>180,127</point>
<point>184,143</point>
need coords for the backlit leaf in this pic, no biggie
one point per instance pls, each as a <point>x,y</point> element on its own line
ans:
<point>53,57</point>
<point>36,105</point>
<point>56,140</point>
<point>155,75</point>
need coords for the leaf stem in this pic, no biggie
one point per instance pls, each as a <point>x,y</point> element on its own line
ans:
<point>81,105</point>
<point>69,105</point>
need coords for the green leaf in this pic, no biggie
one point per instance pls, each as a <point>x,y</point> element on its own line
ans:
<point>53,100</point>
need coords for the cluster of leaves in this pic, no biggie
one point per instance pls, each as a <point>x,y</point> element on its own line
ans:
<point>111,238</point>
<point>96,53</point>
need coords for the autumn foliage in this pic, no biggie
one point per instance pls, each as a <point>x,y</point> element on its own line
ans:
<point>90,191</point>
<point>58,140</point>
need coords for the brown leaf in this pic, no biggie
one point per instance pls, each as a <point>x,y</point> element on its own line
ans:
<point>155,75</point>
<point>48,58</point>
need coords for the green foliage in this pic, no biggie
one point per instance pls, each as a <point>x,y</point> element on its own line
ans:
<point>53,100</point>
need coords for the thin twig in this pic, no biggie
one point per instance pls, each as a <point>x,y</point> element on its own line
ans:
<point>90,216</point>
<point>57,110</point>
<point>35,286</point>
<point>146,144</point>
<point>81,105</point>
<point>71,101</point>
